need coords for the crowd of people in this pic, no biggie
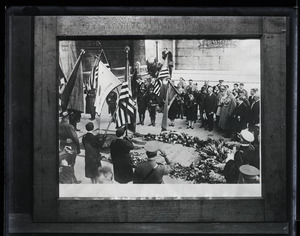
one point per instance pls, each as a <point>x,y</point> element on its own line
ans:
<point>219,107</point>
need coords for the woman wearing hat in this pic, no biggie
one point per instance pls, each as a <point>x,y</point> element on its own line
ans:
<point>191,113</point>
<point>92,145</point>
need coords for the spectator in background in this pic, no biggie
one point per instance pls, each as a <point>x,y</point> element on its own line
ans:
<point>254,114</point>
<point>239,116</point>
<point>210,107</point>
<point>242,90</point>
<point>235,90</point>
<point>200,101</point>
<point>252,94</point>
<point>181,84</point>
<point>220,84</point>
<point>191,113</point>
<point>227,105</point>
<point>190,88</point>
<point>219,94</point>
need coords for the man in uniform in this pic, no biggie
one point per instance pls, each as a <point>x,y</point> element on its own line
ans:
<point>68,138</point>
<point>152,101</point>
<point>151,171</point>
<point>111,100</point>
<point>244,155</point>
<point>120,155</point>
<point>142,105</point>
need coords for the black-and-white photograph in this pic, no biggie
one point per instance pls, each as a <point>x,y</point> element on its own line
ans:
<point>184,113</point>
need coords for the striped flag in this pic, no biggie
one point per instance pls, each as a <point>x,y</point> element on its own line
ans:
<point>163,75</point>
<point>157,87</point>
<point>126,108</point>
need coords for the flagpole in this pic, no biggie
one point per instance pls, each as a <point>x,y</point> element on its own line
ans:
<point>127,49</point>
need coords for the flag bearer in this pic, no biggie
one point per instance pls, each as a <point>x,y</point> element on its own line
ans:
<point>152,102</point>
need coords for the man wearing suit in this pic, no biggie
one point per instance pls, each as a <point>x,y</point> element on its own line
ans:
<point>166,53</point>
<point>240,115</point>
<point>254,113</point>
<point>210,107</point>
<point>120,155</point>
<point>252,94</point>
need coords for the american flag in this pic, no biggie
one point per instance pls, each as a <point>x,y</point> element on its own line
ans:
<point>157,87</point>
<point>162,75</point>
<point>126,111</point>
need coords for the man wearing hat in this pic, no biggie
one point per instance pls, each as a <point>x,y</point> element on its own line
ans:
<point>220,84</point>
<point>120,155</point>
<point>92,145</point>
<point>152,102</point>
<point>151,171</point>
<point>248,174</point>
<point>243,156</point>
<point>68,137</point>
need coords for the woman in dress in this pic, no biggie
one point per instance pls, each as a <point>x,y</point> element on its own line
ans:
<point>227,106</point>
<point>191,113</point>
<point>92,145</point>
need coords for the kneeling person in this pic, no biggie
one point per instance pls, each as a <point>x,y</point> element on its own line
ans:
<point>150,171</point>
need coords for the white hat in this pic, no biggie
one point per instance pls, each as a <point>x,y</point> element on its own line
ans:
<point>247,135</point>
<point>151,146</point>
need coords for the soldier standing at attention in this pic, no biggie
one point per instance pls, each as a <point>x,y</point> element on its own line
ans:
<point>68,137</point>
<point>151,171</point>
<point>152,102</point>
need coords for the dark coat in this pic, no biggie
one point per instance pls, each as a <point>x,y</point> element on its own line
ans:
<point>119,150</point>
<point>241,111</point>
<point>211,103</point>
<point>142,102</point>
<point>200,97</point>
<point>191,110</point>
<point>254,113</point>
<point>92,145</point>
<point>174,108</point>
<point>243,156</point>
<point>90,101</point>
